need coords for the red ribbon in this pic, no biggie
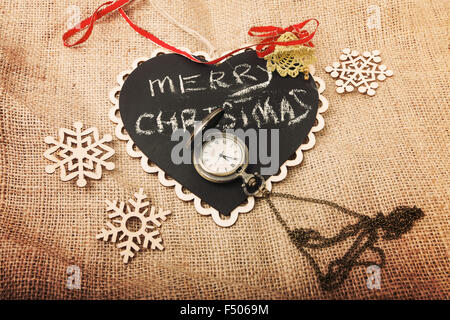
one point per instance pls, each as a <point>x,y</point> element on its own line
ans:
<point>271,34</point>
<point>263,48</point>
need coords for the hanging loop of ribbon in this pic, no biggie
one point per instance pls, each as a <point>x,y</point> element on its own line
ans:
<point>263,48</point>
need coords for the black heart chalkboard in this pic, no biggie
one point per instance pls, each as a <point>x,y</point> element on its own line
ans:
<point>170,91</point>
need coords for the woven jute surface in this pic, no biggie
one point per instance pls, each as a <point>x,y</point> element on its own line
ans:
<point>373,154</point>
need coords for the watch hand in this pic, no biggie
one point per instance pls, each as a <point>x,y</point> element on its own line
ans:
<point>221,155</point>
<point>224,156</point>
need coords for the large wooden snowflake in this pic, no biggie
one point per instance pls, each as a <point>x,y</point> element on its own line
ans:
<point>134,225</point>
<point>79,154</point>
<point>358,71</point>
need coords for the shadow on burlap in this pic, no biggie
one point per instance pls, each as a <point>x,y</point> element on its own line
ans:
<point>373,154</point>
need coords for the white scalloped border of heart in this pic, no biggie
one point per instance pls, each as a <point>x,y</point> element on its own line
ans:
<point>219,219</point>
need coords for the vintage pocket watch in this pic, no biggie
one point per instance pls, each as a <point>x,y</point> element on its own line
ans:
<point>221,157</point>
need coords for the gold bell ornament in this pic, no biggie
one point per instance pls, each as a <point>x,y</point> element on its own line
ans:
<point>290,60</point>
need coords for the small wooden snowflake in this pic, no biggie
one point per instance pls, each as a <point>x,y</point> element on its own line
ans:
<point>79,154</point>
<point>134,224</point>
<point>358,71</point>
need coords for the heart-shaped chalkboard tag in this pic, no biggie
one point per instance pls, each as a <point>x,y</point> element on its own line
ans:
<point>169,92</point>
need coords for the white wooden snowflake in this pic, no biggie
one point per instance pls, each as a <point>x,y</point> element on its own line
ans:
<point>79,154</point>
<point>358,71</point>
<point>134,224</point>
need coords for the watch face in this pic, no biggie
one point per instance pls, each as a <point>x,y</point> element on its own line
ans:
<point>223,155</point>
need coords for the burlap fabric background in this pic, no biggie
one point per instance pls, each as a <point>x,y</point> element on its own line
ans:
<point>374,154</point>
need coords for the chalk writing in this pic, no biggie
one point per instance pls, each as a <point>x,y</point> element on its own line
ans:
<point>261,85</point>
<point>263,112</point>
<point>189,80</point>
<point>161,85</point>
<point>189,83</point>
<point>242,104</point>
